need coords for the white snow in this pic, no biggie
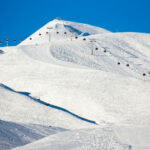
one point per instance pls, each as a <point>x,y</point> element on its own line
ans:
<point>14,134</point>
<point>84,139</point>
<point>63,72</point>
<point>19,108</point>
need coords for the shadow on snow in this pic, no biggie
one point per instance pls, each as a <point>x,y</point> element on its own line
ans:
<point>47,104</point>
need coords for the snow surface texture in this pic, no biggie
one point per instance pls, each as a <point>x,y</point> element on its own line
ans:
<point>13,134</point>
<point>93,73</point>
<point>85,139</point>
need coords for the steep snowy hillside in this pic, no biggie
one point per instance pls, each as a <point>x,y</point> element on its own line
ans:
<point>90,74</point>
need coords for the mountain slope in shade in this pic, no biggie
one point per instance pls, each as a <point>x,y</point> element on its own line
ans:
<point>15,134</point>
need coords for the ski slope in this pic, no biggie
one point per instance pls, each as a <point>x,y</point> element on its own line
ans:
<point>79,139</point>
<point>115,137</point>
<point>17,107</point>
<point>59,69</point>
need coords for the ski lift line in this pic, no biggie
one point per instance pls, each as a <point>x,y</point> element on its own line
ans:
<point>144,74</point>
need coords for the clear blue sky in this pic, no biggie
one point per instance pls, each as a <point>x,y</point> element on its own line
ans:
<point>20,18</point>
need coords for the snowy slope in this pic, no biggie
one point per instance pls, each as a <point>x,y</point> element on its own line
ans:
<point>14,134</point>
<point>60,70</point>
<point>20,108</point>
<point>90,90</point>
<point>115,137</point>
<point>84,139</point>
<point>62,30</point>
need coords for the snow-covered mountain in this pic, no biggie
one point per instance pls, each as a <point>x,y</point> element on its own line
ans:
<point>77,76</point>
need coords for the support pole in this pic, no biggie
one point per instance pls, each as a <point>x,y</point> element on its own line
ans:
<point>49,28</point>
<point>92,42</point>
<point>7,42</point>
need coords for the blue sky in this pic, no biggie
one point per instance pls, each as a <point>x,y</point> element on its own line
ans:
<point>20,18</point>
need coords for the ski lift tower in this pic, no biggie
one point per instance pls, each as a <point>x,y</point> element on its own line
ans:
<point>49,28</point>
<point>72,32</point>
<point>7,39</point>
<point>92,41</point>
